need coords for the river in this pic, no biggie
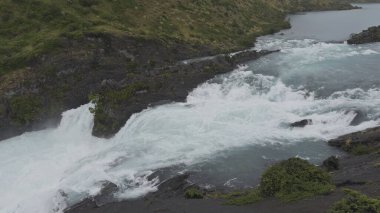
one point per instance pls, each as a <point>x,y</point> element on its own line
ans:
<point>226,133</point>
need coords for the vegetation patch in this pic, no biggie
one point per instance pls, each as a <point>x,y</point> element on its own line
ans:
<point>24,109</point>
<point>364,149</point>
<point>295,179</point>
<point>356,202</point>
<point>108,100</point>
<point>193,193</point>
<point>289,180</point>
<point>31,28</point>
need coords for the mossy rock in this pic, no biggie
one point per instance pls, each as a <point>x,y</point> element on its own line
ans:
<point>355,202</point>
<point>364,149</point>
<point>25,109</point>
<point>194,193</point>
<point>331,163</point>
<point>295,179</point>
<point>288,180</point>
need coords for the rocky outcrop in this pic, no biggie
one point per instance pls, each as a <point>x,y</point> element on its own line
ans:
<point>301,123</point>
<point>170,188</point>
<point>139,71</point>
<point>370,35</point>
<point>169,83</point>
<point>363,142</point>
<point>359,118</point>
<point>34,98</point>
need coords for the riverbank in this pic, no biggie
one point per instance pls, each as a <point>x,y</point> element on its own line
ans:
<point>356,172</point>
<point>371,35</point>
<point>99,50</point>
<point>139,72</point>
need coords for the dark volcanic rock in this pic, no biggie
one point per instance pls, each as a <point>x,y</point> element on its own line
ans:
<point>359,118</point>
<point>370,35</point>
<point>173,187</point>
<point>170,188</point>
<point>359,170</point>
<point>362,142</point>
<point>105,196</point>
<point>331,163</point>
<point>301,123</point>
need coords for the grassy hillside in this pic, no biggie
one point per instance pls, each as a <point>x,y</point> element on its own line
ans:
<point>29,28</point>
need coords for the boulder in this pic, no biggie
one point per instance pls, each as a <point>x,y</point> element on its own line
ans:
<point>331,163</point>
<point>106,195</point>
<point>173,187</point>
<point>301,123</point>
<point>359,118</point>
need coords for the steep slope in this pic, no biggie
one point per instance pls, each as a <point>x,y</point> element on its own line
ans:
<point>29,28</point>
<point>55,53</point>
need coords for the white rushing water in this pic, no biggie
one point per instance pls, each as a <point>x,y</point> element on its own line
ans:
<point>234,110</point>
<point>45,171</point>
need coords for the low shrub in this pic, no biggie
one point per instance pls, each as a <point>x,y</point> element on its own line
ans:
<point>288,180</point>
<point>355,202</point>
<point>295,179</point>
<point>193,193</point>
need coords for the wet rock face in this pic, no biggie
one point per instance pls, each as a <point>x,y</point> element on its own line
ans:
<point>301,123</point>
<point>370,35</point>
<point>359,118</point>
<point>363,142</point>
<point>171,187</point>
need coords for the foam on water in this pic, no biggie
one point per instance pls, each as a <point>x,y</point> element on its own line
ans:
<point>47,170</point>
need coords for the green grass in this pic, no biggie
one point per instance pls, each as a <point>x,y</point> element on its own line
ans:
<point>355,202</point>
<point>31,28</point>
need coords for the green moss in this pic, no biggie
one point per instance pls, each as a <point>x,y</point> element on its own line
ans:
<point>107,101</point>
<point>193,193</point>
<point>295,179</point>
<point>355,202</point>
<point>24,109</point>
<point>116,97</point>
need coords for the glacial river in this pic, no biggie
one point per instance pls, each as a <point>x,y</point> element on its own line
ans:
<point>226,133</point>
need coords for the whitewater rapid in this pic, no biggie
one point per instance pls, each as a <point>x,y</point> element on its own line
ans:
<point>46,171</point>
